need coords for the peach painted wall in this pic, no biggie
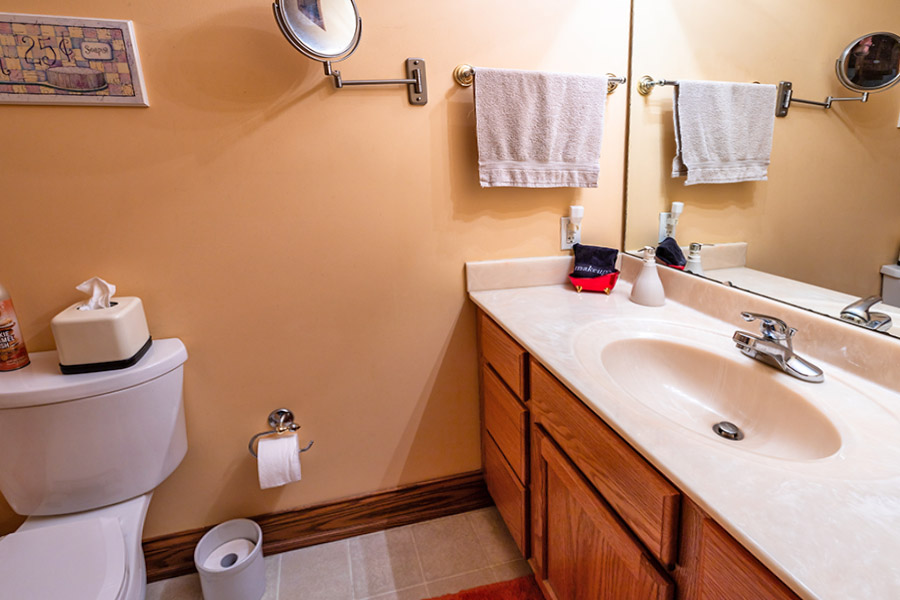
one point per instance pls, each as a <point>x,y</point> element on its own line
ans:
<point>306,243</point>
<point>828,214</point>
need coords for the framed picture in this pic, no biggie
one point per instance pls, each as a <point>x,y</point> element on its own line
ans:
<point>69,60</point>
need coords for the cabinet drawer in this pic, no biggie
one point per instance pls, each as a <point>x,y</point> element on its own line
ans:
<point>507,357</point>
<point>642,497</point>
<point>728,570</point>
<point>507,492</point>
<point>506,419</point>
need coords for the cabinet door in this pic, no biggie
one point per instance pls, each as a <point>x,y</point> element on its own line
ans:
<point>587,552</point>
<point>729,572</point>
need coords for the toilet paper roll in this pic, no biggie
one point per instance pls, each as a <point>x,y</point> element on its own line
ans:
<point>279,460</point>
<point>228,555</point>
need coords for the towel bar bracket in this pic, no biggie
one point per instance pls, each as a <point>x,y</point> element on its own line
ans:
<point>417,87</point>
<point>786,96</point>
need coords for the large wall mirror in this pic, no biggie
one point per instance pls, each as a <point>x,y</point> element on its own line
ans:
<point>818,232</point>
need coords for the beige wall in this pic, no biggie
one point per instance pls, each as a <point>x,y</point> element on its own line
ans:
<point>829,213</point>
<point>307,244</point>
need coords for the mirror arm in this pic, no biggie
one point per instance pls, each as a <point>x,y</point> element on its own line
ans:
<point>786,96</point>
<point>415,70</point>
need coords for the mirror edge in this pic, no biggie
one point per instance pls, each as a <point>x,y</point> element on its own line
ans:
<point>841,64</point>
<point>297,43</point>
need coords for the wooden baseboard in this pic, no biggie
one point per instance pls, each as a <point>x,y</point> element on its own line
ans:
<point>173,555</point>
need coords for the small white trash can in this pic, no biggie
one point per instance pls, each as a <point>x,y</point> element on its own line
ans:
<point>230,561</point>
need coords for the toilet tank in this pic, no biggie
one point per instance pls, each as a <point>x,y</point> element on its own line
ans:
<point>70,443</point>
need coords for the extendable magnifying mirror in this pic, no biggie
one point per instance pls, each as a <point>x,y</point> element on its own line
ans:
<point>329,31</point>
<point>871,63</point>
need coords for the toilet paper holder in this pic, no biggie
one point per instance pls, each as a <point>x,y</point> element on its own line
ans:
<point>281,421</point>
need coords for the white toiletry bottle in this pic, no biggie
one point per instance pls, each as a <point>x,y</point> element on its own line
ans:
<point>647,288</point>
<point>693,260</point>
<point>13,354</point>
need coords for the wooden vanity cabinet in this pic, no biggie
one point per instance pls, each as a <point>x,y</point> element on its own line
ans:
<point>503,374</point>
<point>595,518</point>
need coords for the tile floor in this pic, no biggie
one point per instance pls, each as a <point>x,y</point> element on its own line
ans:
<point>418,561</point>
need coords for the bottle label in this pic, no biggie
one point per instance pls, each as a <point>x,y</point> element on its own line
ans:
<point>13,354</point>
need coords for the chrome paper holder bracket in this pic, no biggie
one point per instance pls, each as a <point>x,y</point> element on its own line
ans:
<point>417,87</point>
<point>786,96</point>
<point>281,421</point>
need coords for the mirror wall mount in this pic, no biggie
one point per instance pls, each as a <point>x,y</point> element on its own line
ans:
<point>305,30</point>
<point>415,80</point>
<point>786,96</point>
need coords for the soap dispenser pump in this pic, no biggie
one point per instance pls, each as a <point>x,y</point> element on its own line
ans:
<point>647,288</point>
<point>694,265</point>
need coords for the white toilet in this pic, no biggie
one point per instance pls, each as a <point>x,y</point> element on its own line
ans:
<point>80,455</point>
<point>890,284</point>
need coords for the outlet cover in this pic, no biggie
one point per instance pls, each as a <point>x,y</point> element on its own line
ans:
<point>567,239</point>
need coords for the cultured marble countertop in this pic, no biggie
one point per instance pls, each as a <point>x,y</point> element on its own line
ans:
<point>829,528</point>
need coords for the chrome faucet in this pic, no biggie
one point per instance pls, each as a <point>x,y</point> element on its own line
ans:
<point>774,348</point>
<point>859,314</point>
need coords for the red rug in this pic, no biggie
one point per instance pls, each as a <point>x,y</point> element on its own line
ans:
<point>523,588</point>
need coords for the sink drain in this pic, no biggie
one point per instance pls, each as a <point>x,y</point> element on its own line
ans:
<point>729,431</point>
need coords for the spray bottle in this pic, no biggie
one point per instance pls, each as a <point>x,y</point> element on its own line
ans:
<point>13,354</point>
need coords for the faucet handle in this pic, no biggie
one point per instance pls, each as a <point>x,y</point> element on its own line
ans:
<point>772,328</point>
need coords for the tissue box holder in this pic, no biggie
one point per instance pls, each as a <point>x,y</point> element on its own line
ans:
<point>104,339</point>
<point>603,283</point>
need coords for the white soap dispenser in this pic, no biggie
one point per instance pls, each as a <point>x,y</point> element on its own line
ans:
<point>693,260</point>
<point>647,288</point>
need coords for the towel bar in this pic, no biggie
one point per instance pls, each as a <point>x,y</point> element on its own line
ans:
<point>464,75</point>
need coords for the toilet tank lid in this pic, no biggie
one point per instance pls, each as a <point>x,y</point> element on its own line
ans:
<point>891,270</point>
<point>42,383</point>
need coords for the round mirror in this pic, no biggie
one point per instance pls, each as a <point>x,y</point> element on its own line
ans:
<point>870,63</point>
<point>324,30</point>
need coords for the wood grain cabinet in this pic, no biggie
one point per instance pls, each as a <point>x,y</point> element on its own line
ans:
<point>595,519</point>
<point>503,369</point>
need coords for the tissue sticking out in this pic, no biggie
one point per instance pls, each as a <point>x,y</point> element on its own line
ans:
<point>100,293</point>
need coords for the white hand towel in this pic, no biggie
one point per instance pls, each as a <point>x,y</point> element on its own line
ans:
<point>538,129</point>
<point>278,460</point>
<point>723,131</point>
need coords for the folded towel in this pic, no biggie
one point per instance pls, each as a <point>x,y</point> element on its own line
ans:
<point>538,129</point>
<point>723,131</point>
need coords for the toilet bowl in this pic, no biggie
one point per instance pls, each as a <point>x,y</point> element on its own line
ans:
<point>91,555</point>
<point>82,454</point>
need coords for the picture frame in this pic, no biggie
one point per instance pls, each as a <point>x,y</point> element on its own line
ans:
<point>69,60</point>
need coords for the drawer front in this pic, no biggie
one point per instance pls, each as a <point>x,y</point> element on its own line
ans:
<point>507,492</point>
<point>642,497</point>
<point>506,420</point>
<point>507,357</point>
<point>728,570</point>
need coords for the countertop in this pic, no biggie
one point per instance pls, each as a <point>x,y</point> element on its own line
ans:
<point>828,527</point>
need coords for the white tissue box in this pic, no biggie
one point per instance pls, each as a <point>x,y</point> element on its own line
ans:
<point>102,339</point>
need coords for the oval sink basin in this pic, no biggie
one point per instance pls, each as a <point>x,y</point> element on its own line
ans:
<point>697,388</point>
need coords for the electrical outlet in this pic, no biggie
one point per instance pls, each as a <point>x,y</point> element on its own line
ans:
<point>567,239</point>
